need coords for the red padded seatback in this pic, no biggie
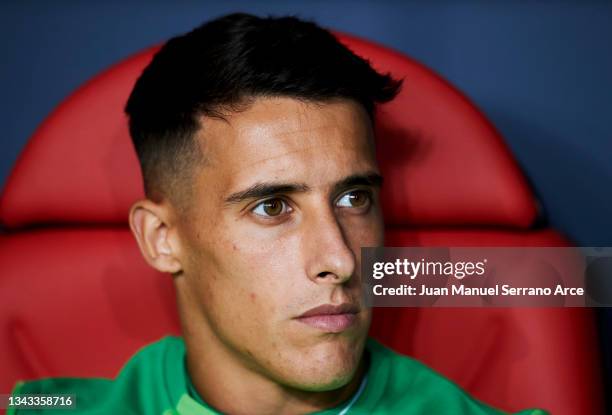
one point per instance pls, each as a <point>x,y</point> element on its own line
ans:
<point>79,167</point>
<point>104,302</point>
<point>511,357</point>
<point>76,298</point>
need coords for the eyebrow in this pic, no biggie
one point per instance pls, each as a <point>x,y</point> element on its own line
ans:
<point>263,190</point>
<point>370,179</point>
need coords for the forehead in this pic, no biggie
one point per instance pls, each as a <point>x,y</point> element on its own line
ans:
<point>287,139</point>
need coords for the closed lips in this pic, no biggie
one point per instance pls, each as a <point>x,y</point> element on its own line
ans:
<point>330,318</point>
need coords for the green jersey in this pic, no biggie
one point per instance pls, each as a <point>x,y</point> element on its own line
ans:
<point>155,382</point>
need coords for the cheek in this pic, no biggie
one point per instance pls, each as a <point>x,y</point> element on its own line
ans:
<point>247,276</point>
<point>361,231</point>
<point>252,298</point>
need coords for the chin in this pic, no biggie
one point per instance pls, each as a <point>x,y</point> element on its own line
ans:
<point>330,365</point>
<point>326,380</point>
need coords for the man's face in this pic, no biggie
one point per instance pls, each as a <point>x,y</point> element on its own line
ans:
<point>287,197</point>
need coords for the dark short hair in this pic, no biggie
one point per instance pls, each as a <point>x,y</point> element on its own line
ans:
<point>226,62</point>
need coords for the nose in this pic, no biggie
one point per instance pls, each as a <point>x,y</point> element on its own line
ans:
<point>329,258</point>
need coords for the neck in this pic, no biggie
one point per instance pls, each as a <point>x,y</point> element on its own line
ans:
<point>229,391</point>
<point>230,385</point>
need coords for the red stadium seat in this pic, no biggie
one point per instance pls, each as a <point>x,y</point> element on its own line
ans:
<point>77,299</point>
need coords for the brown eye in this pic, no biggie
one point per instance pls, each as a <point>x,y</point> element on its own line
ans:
<point>270,207</point>
<point>354,199</point>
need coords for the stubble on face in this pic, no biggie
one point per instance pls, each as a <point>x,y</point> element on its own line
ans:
<point>247,277</point>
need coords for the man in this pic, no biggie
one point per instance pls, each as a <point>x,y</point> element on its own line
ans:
<point>256,145</point>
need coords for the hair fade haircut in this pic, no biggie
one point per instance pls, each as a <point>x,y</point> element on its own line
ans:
<point>223,65</point>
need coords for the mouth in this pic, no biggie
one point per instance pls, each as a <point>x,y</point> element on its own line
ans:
<point>330,318</point>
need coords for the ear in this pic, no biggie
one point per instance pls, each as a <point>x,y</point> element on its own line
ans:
<point>150,225</point>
